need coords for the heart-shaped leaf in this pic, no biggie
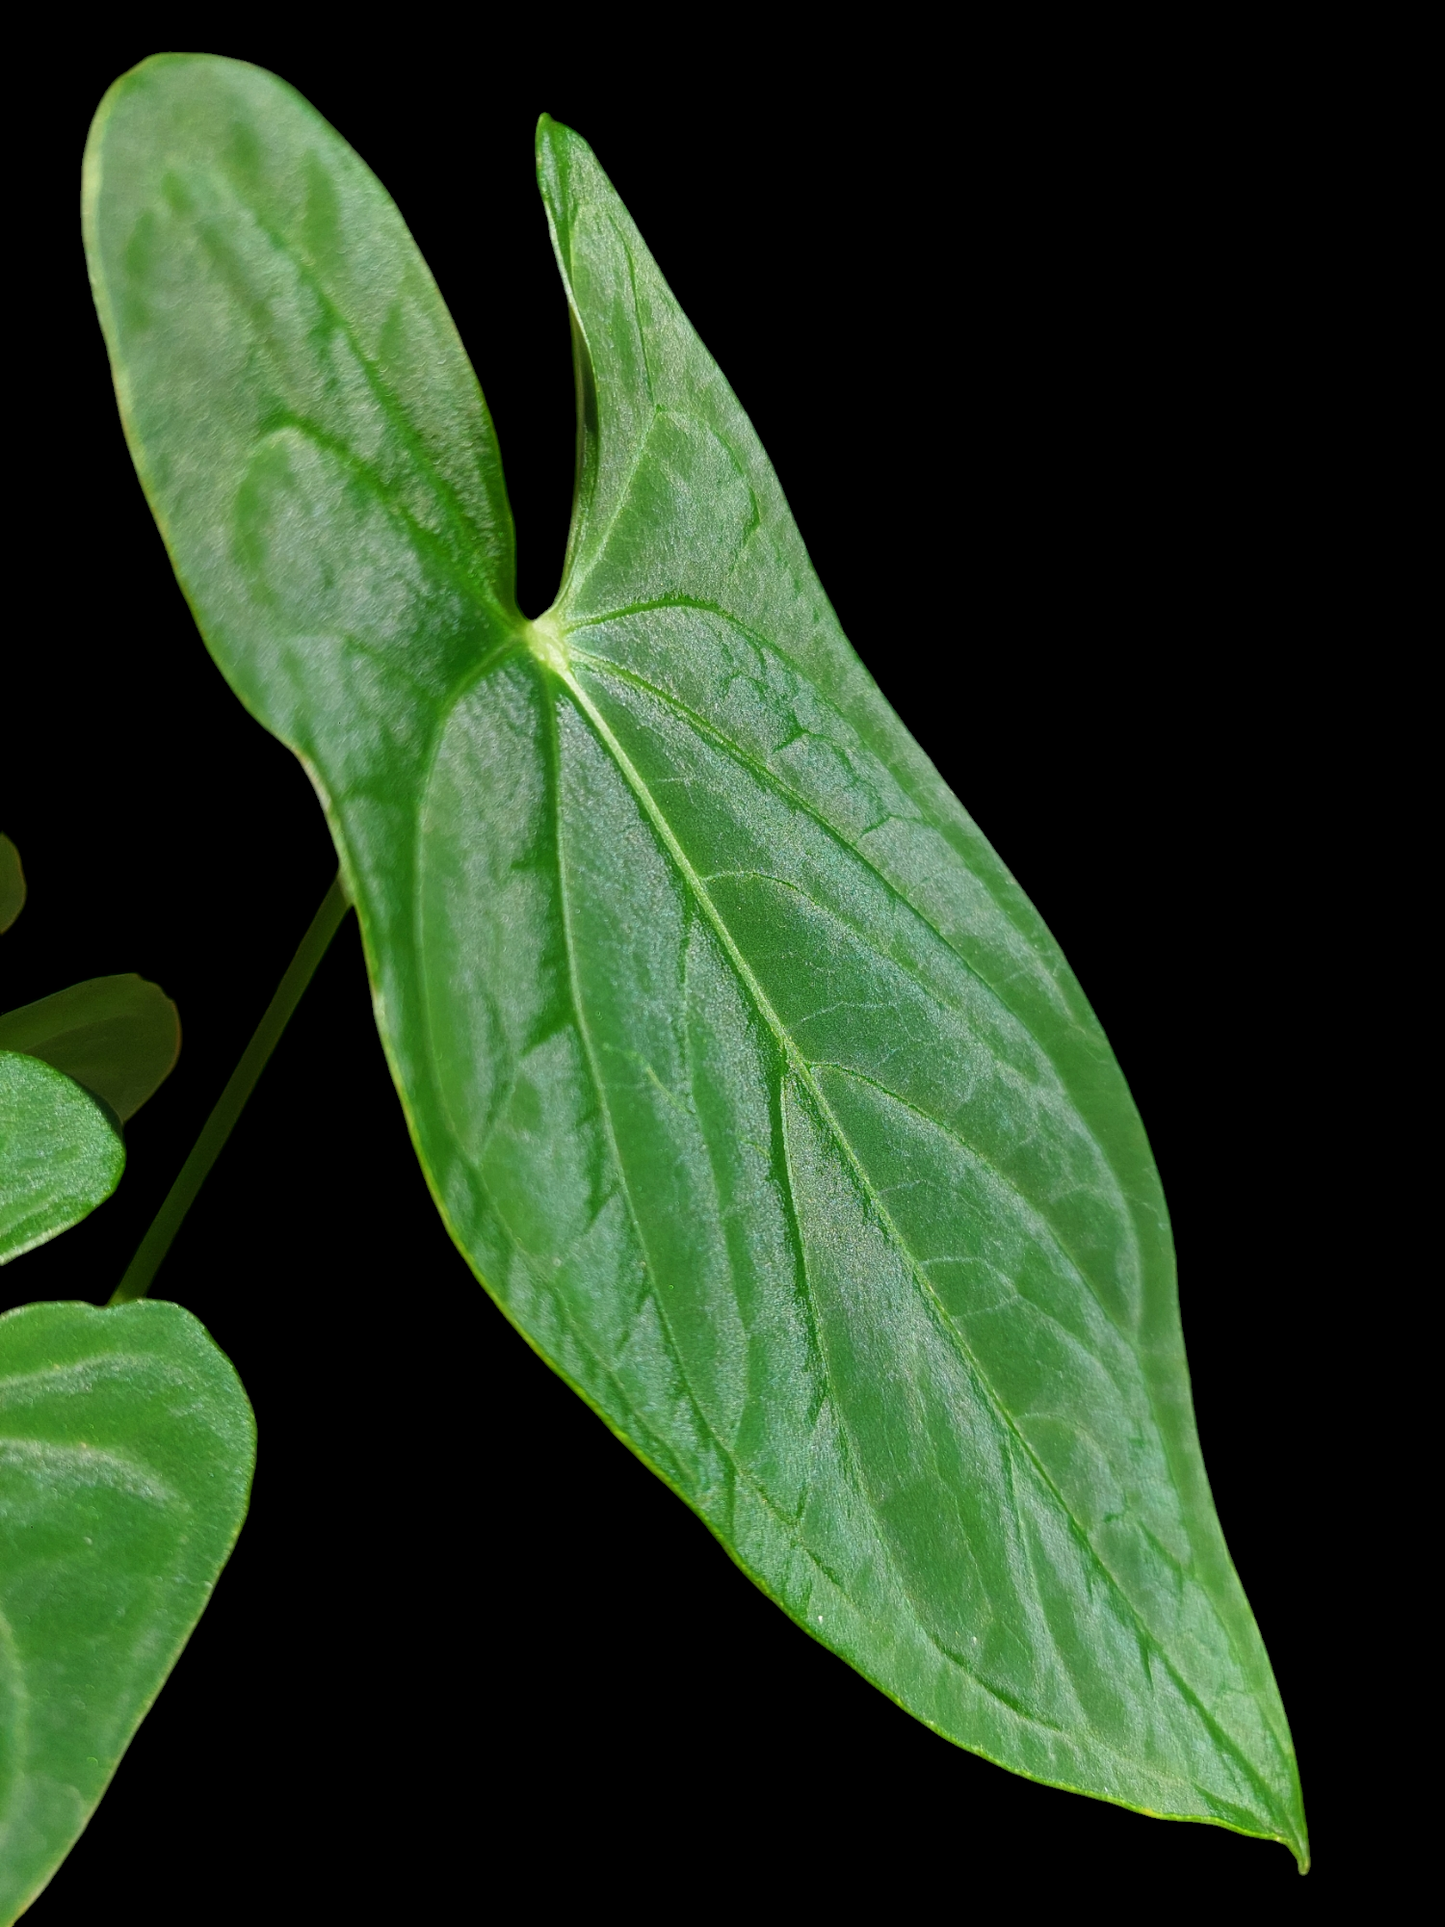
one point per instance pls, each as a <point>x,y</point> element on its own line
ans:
<point>126,1452</point>
<point>744,1074</point>
<point>119,1036</point>
<point>61,1153</point>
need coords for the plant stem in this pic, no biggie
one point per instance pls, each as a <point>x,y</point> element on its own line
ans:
<point>143,1267</point>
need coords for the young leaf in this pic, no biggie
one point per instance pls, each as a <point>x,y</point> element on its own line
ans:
<point>12,883</point>
<point>61,1153</point>
<point>744,1074</point>
<point>119,1036</point>
<point>126,1452</point>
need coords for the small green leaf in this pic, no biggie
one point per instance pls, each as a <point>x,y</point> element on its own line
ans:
<point>745,1075</point>
<point>61,1153</point>
<point>126,1451</point>
<point>12,883</point>
<point>119,1036</point>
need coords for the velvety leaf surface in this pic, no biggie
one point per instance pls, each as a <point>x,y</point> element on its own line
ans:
<point>745,1075</point>
<point>61,1153</point>
<point>12,883</point>
<point>126,1452</point>
<point>119,1036</point>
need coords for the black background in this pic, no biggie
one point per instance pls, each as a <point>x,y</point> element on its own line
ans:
<point>1034,358</point>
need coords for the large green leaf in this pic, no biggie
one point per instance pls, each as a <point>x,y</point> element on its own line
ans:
<point>61,1153</point>
<point>126,1452</point>
<point>744,1074</point>
<point>119,1036</point>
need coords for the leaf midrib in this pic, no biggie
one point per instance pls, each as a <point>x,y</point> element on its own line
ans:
<point>781,789</point>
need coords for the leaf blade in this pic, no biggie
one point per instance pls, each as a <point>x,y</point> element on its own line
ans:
<point>61,1153</point>
<point>675,933</point>
<point>126,1452</point>
<point>118,1036</point>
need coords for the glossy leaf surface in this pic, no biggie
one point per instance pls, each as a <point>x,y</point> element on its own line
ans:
<point>744,1074</point>
<point>126,1452</point>
<point>12,883</point>
<point>61,1153</point>
<point>119,1036</point>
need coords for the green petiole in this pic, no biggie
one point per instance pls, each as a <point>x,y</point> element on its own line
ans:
<point>141,1271</point>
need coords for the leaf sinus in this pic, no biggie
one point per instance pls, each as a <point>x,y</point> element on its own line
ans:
<point>544,639</point>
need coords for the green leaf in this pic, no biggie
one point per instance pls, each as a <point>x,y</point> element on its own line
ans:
<point>61,1153</point>
<point>119,1036</point>
<point>12,883</point>
<point>744,1074</point>
<point>126,1452</point>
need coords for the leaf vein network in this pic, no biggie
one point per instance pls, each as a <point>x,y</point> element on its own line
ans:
<point>456,510</point>
<point>770,777</point>
<point>801,1070</point>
